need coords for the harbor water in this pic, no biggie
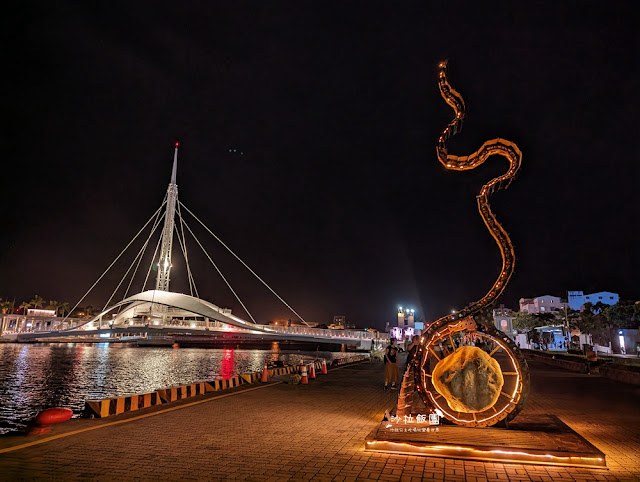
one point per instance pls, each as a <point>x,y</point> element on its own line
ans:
<point>34,377</point>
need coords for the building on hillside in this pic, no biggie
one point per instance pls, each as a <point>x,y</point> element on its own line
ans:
<point>542,304</point>
<point>577,299</point>
<point>503,319</point>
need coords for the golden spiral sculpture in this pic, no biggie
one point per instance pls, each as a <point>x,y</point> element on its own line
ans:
<point>467,369</point>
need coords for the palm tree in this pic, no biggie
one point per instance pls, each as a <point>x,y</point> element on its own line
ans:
<point>25,306</point>
<point>54,305</point>
<point>37,301</point>
<point>7,307</point>
<point>4,306</point>
<point>64,308</point>
<point>89,311</point>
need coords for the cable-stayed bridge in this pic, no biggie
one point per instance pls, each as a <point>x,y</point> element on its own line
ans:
<point>159,312</point>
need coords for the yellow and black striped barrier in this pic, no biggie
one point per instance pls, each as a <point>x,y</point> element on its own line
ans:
<point>130,403</point>
<point>118,405</point>
<point>181,392</point>
<point>223,384</point>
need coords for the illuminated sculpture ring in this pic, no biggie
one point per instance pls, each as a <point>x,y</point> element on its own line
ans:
<point>511,393</point>
<point>471,369</point>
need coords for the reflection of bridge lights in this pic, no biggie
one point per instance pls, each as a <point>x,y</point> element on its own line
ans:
<point>227,364</point>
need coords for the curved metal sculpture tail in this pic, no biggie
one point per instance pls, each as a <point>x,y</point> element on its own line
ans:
<point>499,147</point>
<point>469,324</point>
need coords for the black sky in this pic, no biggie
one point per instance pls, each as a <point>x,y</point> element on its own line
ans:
<point>338,200</point>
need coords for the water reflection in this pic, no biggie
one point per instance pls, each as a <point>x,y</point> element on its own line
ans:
<point>34,377</point>
<point>227,364</point>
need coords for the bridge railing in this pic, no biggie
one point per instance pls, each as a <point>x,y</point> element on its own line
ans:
<point>326,333</point>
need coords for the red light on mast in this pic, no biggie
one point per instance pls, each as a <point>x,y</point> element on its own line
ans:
<point>177,144</point>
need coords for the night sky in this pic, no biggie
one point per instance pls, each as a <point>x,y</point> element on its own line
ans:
<point>332,191</point>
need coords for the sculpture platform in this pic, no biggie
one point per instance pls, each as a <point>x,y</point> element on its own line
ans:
<point>544,440</point>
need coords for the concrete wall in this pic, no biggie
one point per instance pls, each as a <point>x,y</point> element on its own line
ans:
<point>625,376</point>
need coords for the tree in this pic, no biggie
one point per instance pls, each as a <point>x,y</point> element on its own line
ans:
<point>64,308</point>
<point>6,306</point>
<point>54,305</point>
<point>37,301</point>
<point>566,316</point>
<point>592,321</point>
<point>527,321</point>
<point>25,306</point>
<point>586,322</point>
<point>624,314</point>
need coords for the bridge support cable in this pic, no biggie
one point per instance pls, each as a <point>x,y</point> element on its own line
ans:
<point>135,261</point>
<point>153,259</point>
<point>115,260</point>
<point>243,263</point>
<point>183,245</point>
<point>219,272</point>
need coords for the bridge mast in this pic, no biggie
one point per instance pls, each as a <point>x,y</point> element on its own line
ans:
<point>164,263</point>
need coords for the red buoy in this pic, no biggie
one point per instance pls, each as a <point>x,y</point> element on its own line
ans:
<point>53,415</point>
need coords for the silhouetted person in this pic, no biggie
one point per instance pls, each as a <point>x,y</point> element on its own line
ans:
<point>391,365</point>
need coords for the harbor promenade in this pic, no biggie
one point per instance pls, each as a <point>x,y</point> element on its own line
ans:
<point>317,431</point>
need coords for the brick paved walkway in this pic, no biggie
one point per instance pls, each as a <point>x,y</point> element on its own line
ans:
<point>317,432</point>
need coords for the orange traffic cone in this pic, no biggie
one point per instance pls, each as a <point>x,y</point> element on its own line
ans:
<point>265,373</point>
<point>304,380</point>
<point>324,367</point>
<point>312,370</point>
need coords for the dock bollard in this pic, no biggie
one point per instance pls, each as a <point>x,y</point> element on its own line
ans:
<point>304,380</point>
<point>312,370</point>
<point>324,367</point>
<point>265,373</point>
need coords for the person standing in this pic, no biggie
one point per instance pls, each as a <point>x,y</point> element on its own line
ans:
<point>391,365</point>
<point>412,348</point>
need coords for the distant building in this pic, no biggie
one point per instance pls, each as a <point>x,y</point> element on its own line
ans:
<point>577,299</point>
<point>542,304</point>
<point>41,313</point>
<point>406,318</point>
<point>339,322</point>
<point>503,319</point>
<point>35,320</point>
